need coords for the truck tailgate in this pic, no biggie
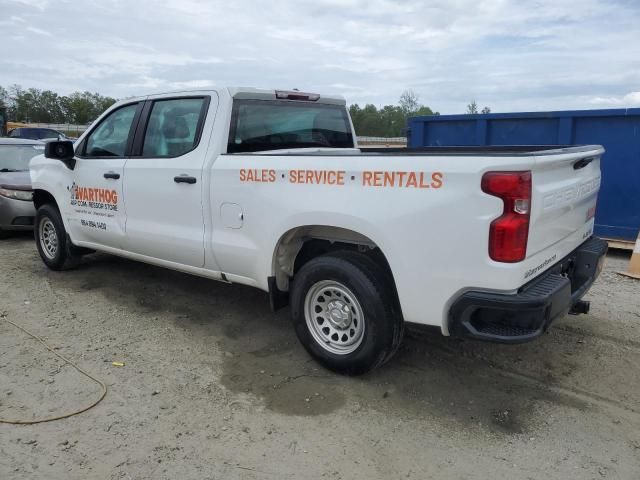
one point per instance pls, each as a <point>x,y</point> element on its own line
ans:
<point>565,190</point>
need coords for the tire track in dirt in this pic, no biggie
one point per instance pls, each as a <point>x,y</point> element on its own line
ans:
<point>575,393</point>
<point>573,331</point>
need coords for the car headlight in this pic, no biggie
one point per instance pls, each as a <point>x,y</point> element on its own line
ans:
<point>25,195</point>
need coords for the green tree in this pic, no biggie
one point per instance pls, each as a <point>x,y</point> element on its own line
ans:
<point>389,120</point>
<point>392,119</point>
<point>370,121</point>
<point>472,109</point>
<point>80,107</point>
<point>84,107</point>
<point>4,97</point>
<point>424,110</point>
<point>409,102</point>
<point>102,103</point>
<point>46,106</point>
<point>22,101</point>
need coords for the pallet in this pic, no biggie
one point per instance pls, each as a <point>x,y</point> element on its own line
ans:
<point>620,244</point>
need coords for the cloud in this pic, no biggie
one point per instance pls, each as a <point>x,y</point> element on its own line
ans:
<point>631,99</point>
<point>38,31</point>
<point>192,84</point>
<point>507,54</point>
<point>342,86</point>
<point>37,4</point>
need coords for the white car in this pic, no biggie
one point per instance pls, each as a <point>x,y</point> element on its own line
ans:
<point>269,189</point>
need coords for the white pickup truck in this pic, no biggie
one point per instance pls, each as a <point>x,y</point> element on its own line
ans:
<point>269,189</point>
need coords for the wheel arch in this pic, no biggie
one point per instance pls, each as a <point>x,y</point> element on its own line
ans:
<point>42,197</point>
<point>300,244</point>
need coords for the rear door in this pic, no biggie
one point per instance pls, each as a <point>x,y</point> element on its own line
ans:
<point>565,191</point>
<point>164,181</point>
<point>96,212</point>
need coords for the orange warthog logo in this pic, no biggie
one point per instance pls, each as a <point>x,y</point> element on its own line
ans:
<point>102,198</point>
<point>89,194</point>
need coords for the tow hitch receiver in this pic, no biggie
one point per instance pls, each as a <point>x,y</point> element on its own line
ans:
<point>581,306</point>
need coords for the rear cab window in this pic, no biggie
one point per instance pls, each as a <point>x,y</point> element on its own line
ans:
<point>259,125</point>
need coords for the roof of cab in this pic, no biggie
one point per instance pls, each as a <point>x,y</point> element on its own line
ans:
<point>245,93</point>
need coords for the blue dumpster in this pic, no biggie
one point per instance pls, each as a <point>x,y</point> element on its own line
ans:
<point>618,130</point>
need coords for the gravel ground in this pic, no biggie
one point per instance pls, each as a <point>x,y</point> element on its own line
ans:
<point>215,386</point>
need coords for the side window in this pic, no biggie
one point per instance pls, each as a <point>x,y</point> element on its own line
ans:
<point>109,139</point>
<point>173,127</point>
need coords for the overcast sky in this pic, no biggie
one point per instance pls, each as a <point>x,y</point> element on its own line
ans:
<point>507,54</point>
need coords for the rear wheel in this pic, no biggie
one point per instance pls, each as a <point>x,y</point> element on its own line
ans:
<point>345,312</point>
<point>51,239</point>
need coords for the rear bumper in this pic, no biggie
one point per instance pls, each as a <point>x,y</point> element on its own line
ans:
<point>525,315</point>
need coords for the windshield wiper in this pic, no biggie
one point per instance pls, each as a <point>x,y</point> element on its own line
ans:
<point>6,170</point>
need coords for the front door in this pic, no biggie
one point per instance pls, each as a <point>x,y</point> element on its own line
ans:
<point>95,212</point>
<point>163,182</point>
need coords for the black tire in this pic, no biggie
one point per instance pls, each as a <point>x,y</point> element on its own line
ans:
<point>64,256</point>
<point>374,292</point>
<point>384,275</point>
<point>4,234</point>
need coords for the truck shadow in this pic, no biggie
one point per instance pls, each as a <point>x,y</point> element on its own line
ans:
<point>464,385</point>
<point>16,236</point>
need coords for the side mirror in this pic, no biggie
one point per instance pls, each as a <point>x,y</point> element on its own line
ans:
<point>61,150</point>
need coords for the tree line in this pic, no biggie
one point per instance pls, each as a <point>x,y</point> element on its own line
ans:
<point>391,120</point>
<point>33,105</point>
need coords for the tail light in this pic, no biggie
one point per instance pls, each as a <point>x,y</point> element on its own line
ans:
<point>509,233</point>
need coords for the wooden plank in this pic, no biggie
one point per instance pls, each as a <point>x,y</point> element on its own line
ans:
<point>620,244</point>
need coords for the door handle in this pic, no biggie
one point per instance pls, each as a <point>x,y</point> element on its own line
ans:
<point>112,175</point>
<point>185,179</point>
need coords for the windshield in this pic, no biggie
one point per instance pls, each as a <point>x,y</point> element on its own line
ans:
<point>16,157</point>
<point>271,125</point>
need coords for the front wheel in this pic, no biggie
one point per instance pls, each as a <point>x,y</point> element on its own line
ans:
<point>52,241</point>
<point>345,312</point>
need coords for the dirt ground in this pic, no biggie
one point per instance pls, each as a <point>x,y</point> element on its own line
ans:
<point>215,386</point>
